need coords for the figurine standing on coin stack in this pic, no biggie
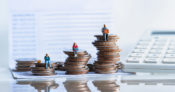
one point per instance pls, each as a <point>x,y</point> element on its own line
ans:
<point>75,49</point>
<point>108,52</point>
<point>41,69</point>
<point>76,64</point>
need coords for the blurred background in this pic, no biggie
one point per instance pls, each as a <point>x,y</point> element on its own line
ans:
<point>132,18</point>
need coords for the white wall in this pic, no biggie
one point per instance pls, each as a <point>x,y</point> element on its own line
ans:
<point>3,33</point>
<point>132,18</point>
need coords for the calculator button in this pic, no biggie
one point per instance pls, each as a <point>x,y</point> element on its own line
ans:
<point>154,55</point>
<point>168,60</point>
<point>139,51</point>
<point>170,51</point>
<point>134,60</point>
<point>136,55</point>
<point>141,47</point>
<point>143,43</point>
<point>145,40</point>
<point>155,51</point>
<point>157,47</point>
<point>159,43</point>
<point>152,60</point>
<point>171,47</point>
<point>170,55</point>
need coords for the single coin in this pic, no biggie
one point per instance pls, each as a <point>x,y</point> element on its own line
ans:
<point>105,72</point>
<point>42,64</point>
<point>104,43</point>
<point>69,67</point>
<point>76,63</point>
<point>79,53</point>
<point>108,59</point>
<point>106,69</point>
<point>77,72</point>
<point>78,59</point>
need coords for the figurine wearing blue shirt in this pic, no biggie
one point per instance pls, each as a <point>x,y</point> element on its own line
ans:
<point>47,61</point>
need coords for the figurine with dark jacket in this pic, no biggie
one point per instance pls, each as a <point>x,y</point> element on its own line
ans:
<point>105,32</point>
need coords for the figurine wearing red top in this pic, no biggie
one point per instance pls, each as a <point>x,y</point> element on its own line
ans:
<point>75,49</point>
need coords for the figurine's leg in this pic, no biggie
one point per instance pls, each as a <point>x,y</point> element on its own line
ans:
<point>45,64</point>
<point>49,64</point>
<point>107,37</point>
<point>74,53</point>
<point>103,36</point>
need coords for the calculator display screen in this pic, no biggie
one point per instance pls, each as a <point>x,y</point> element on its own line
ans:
<point>163,33</point>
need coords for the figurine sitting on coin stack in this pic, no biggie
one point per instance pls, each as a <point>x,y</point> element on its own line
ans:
<point>42,69</point>
<point>77,60</point>
<point>108,52</point>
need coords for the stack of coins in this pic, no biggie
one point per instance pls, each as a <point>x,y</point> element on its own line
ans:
<point>40,70</point>
<point>108,54</point>
<point>25,64</point>
<point>91,67</point>
<point>59,66</point>
<point>78,64</point>
<point>76,86</point>
<point>107,86</point>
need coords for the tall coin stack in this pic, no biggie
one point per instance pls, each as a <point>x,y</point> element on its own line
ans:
<point>76,65</point>
<point>40,70</point>
<point>107,55</point>
<point>25,64</point>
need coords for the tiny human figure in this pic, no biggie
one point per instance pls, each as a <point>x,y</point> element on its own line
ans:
<point>47,61</point>
<point>75,49</point>
<point>105,32</point>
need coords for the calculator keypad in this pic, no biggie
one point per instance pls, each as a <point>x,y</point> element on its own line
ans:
<point>153,51</point>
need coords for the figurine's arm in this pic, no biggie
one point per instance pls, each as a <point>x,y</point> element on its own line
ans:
<point>49,58</point>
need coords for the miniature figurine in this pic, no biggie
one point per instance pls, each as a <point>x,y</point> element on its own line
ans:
<point>105,32</point>
<point>75,49</point>
<point>47,61</point>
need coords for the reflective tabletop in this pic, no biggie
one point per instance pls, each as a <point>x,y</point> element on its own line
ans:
<point>140,82</point>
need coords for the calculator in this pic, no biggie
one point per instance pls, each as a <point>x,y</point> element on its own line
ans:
<point>154,52</point>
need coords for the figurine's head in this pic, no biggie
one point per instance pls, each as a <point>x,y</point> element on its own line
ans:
<point>75,43</point>
<point>47,55</point>
<point>104,25</point>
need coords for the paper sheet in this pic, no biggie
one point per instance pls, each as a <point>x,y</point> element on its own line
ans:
<point>51,26</point>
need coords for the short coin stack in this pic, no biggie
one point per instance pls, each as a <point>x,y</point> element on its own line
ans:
<point>76,65</point>
<point>25,64</point>
<point>40,70</point>
<point>59,66</point>
<point>108,54</point>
